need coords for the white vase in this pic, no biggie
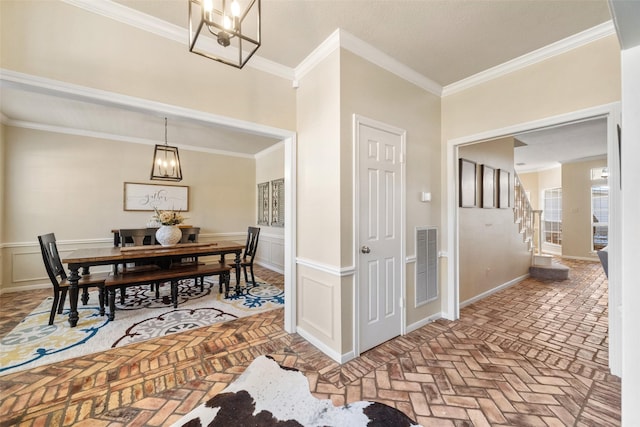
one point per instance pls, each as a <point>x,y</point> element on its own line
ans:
<point>168,235</point>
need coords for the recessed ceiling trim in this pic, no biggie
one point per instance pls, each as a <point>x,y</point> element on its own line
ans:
<point>565,45</point>
<point>83,93</point>
<point>151,24</point>
<point>113,137</point>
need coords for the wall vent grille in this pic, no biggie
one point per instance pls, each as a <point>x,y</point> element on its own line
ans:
<point>426,264</point>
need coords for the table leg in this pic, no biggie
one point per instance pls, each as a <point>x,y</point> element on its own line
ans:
<point>73,296</point>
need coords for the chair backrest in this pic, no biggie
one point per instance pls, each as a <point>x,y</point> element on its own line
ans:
<point>253,233</point>
<point>51,259</point>
<point>137,236</point>
<point>190,235</point>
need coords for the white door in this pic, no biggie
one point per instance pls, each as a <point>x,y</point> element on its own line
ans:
<point>380,157</point>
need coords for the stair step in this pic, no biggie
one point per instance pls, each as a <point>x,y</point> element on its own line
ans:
<point>551,272</point>
<point>542,260</point>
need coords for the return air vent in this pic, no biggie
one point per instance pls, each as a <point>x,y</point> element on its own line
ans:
<point>426,264</point>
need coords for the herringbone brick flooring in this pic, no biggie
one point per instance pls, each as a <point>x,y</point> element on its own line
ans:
<point>534,354</point>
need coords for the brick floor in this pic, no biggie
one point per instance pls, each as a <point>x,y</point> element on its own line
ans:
<point>534,354</point>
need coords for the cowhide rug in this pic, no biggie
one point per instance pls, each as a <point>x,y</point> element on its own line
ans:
<point>267,394</point>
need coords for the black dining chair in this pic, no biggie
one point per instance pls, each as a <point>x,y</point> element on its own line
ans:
<point>137,237</point>
<point>250,249</point>
<point>58,277</point>
<point>189,235</point>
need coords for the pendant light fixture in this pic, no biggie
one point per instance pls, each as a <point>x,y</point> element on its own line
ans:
<point>226,31</point>
<point>166,161</point>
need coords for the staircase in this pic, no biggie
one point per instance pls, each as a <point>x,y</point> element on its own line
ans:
<point>523,213</point>
<point>542,266</point>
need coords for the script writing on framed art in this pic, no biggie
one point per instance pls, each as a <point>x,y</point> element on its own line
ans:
<point>147,197</point>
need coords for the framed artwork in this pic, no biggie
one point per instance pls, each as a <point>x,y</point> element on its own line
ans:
<point>467,196</point>
<point>503,188</point>
<point>277,203</point>
<point>263,203</point>
<point>147,197</point>
<point>488,187</point>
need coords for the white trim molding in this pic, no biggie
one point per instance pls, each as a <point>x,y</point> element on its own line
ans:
<point>494,290</point>
<point>326,268</point>
<point>572,42</point>
<point>151,24</point>
<point>72,91</point>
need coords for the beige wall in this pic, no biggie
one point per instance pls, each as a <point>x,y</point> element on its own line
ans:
<point>576,208</point>
<point>341,86</point>
<point>59,41</point>
<point>584,77</point>
<point>375,93</point>
<point>73,186</point>
<point>491,250</point>
<point>319,205</point>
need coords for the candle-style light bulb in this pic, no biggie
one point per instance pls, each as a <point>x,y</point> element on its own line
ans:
<point>235,8</point>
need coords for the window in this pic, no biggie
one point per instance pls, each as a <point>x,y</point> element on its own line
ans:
<point>552,216</point>
<point>599,216</point>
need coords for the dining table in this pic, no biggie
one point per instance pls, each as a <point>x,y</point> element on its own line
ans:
<point>161,255</point>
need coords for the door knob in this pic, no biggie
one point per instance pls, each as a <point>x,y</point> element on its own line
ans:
<point>365,249</point>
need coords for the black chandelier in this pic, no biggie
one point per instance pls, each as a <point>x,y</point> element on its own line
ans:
<point>166,161</point>
<point>226,31</point>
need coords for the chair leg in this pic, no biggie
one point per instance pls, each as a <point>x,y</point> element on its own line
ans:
<point>246,279</point>
<point>157,285</point>
<point>123,294</point>
<point>54,307</point>
<point>63,297</point>
<point>253,277</point>
<point>85,296</point>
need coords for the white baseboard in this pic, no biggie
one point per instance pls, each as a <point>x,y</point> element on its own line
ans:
<point>425,321</point>
<point>494,290</point>
<point>582,258</point>
<point>269,266</point>
<point>340,358</point>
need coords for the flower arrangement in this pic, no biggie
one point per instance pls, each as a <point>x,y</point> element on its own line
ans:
<point>168,217</point>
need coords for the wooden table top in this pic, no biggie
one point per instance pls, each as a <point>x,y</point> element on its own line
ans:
<point>93,256</point>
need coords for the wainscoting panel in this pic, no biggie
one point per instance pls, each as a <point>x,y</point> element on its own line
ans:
<point>271,252</point>
<point>315,296</point>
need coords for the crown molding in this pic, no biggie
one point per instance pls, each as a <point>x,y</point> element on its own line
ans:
<point>151,24</point>
<point>372,54</point>
<point>343,39</point>
<point>321,52</point>
<point>562,46</point>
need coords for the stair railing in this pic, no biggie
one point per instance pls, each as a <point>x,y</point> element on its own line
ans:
<point>523,212</point>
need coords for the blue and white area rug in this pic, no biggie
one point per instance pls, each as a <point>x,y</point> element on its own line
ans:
<point>142,316</point>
